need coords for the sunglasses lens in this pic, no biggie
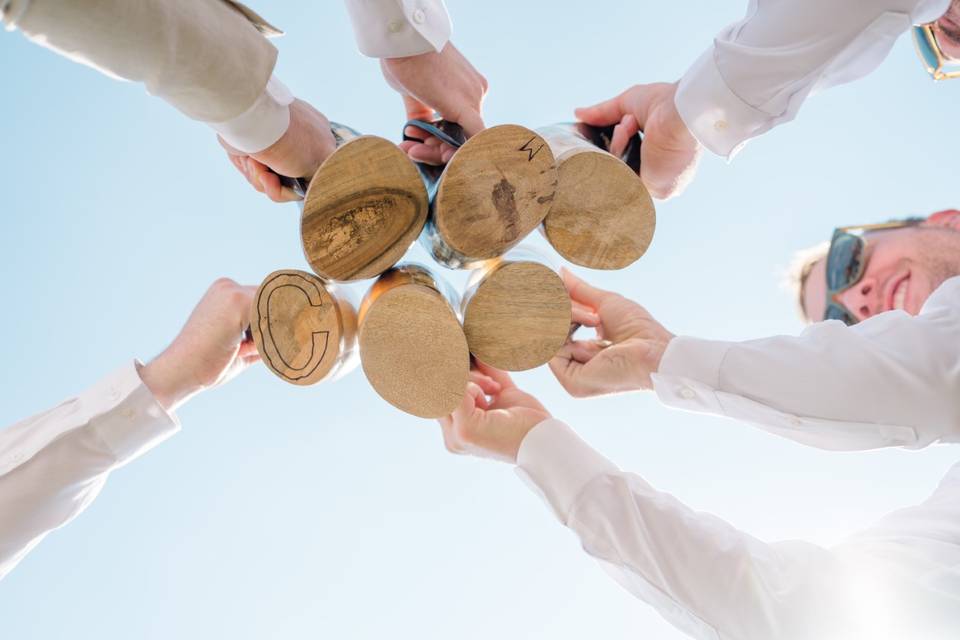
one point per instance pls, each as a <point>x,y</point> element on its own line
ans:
<point>836,312</point>
<point>925,50</point>
<point>845,261</point>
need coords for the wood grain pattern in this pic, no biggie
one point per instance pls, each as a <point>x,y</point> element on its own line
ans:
<point>304,332</point>
<point>365,206</point>
<point>496,189</point>
<point>517,316</point>
<point>412,347</point>
<point>603,216</point>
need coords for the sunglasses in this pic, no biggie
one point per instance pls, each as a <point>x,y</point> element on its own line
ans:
<point>939,66</point>
<point>846,263</point>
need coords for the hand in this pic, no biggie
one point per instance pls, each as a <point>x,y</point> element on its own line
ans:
<point>492,428</point>
<point>210,349</point>
<point>669,154</point>
<point>629,347</point>
<point>430,83</point>
<point>301,150</point>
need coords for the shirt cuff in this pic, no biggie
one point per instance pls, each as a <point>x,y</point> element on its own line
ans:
<point>126,416</point>
<point>689,374</point>
<point>391,29</point>
<point>263,123</point>
<point>714,114</point>
<point>558,465</point>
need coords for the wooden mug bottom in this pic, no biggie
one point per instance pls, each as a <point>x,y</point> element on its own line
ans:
<point>412,347</point>
<point>517,315</point>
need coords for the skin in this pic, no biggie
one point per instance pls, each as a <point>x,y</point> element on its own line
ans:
<point>670,154</point>
<point>443,83</point>
<point>209,350</point>
<point>432,84</point>
<point>301,150</point>
<point>947,31</point>
<point>496,415</point>
<point>918,258</point>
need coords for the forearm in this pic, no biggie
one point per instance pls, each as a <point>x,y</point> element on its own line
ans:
<point>54,464</point>
<point>700,573</point>
<point>759,70</point>
<point>889,381</point>
<point>204,57</point>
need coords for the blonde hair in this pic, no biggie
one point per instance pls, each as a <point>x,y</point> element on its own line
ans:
<point>797,273</point>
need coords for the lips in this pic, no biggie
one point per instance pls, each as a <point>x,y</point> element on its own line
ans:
<point>897,298</point>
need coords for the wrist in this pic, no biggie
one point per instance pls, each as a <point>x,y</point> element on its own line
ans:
<point>165,380</point>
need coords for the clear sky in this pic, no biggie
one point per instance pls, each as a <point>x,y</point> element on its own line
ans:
<point>287,512</point>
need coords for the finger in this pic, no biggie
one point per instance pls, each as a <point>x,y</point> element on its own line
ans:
<point>422,152</point>
<point>449,439</point>
<point>566,369</point>
<point>471,122</point>
<point>602,114</point>
<point>622,134</point>
<point>583,315</point>
<point>248,348</point>
<point>583,351</point>
<point>463,414</point>
<point>501,377</point>
<point>417,110</point>
<point>582,292</point>
<point>488,384</point>
<point>270,182</point>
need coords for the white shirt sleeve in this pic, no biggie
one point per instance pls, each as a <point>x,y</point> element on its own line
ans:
<point>207,58</point>
<point>704,576</point>
<point>760,70</point>
<point>399,28</point>
<point>54,464</point>
<point>892,380</point>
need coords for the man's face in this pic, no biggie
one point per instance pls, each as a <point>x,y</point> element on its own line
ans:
<point>904,266</point>
<point>947,30</point>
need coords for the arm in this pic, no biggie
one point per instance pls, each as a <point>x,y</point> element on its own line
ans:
<point>701,574</point>
<point>888,381</point>
<point>760,70</point>
<point>207,58</point>
<point>54,464</point>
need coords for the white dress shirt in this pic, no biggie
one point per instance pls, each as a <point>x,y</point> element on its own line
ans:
<point>899,579</point>
<point>54,464</point>
<point>891,380</point>
<point>760,70</point>
<point>208,58</point>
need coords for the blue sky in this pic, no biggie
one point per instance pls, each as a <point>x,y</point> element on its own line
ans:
<point>287,512</point>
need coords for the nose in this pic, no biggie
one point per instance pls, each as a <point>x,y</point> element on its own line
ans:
<point>862,299</point>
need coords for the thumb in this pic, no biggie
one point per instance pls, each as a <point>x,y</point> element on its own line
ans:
<point>602,114</point>
<point>471,121</point>
<point>580,291</point>
<point>417,110</point>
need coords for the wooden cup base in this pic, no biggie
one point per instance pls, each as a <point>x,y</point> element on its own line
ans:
<point>302,331</point>
<point>496,189</point>
<point>603,217</point>
<point>518,316</point>
<point>365,206</point>
<point>413,351</point>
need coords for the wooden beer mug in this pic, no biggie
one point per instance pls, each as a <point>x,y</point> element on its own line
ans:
<point>602,217</point>
<point>496,189</point>
<point>412,347</point>
<point>305,329</point>
<point>516,311</point>
<point>362,209</point>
